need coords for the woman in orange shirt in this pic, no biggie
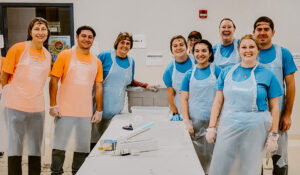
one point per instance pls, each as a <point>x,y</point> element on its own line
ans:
<point>25,71</point>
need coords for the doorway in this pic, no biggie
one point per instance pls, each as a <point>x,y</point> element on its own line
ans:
<point>15,18</point>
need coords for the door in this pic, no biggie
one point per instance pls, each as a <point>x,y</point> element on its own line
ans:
<point>15,18</point>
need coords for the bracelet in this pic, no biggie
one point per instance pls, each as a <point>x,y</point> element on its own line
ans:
<point>51,107</point>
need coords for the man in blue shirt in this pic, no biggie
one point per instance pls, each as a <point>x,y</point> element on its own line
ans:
<point>192,38</point>
<point>281,62</point>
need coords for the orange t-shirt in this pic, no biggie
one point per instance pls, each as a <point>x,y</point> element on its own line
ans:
<point>61,65</point>
<point>13,55</point>
<point>1,69</point>
<point>2,62</point>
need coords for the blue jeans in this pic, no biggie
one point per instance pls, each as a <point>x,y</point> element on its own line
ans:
<point>58,158</point>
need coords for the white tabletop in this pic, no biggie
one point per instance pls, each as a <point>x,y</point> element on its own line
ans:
<point>175,154</point>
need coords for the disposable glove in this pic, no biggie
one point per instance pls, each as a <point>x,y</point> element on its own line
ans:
<point>97,117</point>
<point>211,134</point>
<point>54,111</point>
<point>176,117</point>
<point>189,126</point>
<point>152,88</point>
<point>271,144</point>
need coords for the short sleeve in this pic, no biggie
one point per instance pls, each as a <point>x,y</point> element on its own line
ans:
<point>288,63</point>
<point>103,55</point>
<point>185,85</point>
<point>58,67</point>
<point>167,77</point>
<point>2,62</point>
<point>133,66</point>
<point>99,76</point>
<point>105,58</point>
<point>9,65</point>
<point>214,48</point>
<point>274,87</point>
<point>217,71</point>
<point>220,81</point>
<point>12,57</point>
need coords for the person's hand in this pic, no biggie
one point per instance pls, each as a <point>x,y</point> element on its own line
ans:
<point>271,144</point>
<point>211,134</point>
<point>97,117</point>
<point>54,111</point>
<point>176,117</point>
<point>285,123</point>
<point>152,88</point>
<point>189,127</point>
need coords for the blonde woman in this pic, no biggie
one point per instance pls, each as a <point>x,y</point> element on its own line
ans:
<point>246,104</point>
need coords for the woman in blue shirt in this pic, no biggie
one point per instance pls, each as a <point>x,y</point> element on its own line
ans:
<point>174,73</point>
<point>197,95</point>
<point>118,73</point>
<point>226,52</point>
<point>245,94</point>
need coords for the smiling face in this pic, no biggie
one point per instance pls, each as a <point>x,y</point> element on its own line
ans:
<point>39,32</point>
<point>202,54</point>
<point>191,42</point>
<point>123,47</point>
<point>85,39</point>
<point>264,33</point>
<point>248,51</point>
<point>227,30</point>
<point>178,48</point>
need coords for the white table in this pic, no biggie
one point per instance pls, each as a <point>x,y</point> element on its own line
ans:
<point>175,154</point>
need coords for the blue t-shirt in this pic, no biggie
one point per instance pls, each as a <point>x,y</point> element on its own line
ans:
<point>288,64</point>
<point>267,83</point>
<point>200,74</point>
<point>225,50</point>
<point>181,67</point>
<point>105,58</point>
<point>192,57</point>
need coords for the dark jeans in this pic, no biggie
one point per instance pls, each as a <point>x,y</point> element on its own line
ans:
<point>58,158</point>
<point>276,169</point>
<point>15,165</point>
<point>93,145</point>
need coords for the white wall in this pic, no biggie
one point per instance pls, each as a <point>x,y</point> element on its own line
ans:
<point>159,20</point>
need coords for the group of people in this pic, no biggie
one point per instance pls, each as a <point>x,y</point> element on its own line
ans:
<point>91,91</point>
<point>235,98</point>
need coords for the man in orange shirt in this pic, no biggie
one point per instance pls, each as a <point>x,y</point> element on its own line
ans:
<point>79,71</point>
